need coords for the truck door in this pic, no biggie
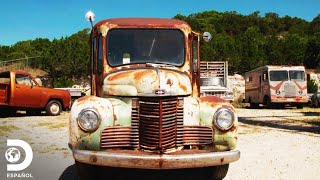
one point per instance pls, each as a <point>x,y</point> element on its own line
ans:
<point>195,65</point>
<point>263,85</point>
<point>26,93</point>
<point>260,96</point>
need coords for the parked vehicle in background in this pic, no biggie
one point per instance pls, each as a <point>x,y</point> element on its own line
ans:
<point>313,81</point>
<point>77,91</point>
<point>145,111</point>
<point>20,91</point>
<point>276,86</point>
<point>214,79</point>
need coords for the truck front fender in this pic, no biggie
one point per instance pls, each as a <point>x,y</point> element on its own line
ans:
<point>223,140</point>
<point>81,139</point>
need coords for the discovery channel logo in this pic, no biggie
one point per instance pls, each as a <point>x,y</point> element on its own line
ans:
<point>13,155</point>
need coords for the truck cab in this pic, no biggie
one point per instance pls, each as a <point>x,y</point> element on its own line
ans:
<point>20,91</point>
<point>145,111</point>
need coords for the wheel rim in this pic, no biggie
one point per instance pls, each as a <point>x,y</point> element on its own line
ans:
<point>55,108</point>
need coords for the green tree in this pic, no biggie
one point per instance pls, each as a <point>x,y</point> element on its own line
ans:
<point>251,52</point>
<point>312,54</point>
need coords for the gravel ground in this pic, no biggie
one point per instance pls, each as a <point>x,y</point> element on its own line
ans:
<point>278,144</point>
<point>274,144</point>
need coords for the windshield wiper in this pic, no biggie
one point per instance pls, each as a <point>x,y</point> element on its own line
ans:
<point>158,65</point>
<point>154,39</point>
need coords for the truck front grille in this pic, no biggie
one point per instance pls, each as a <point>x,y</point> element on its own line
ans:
<point>197,135</point>
<point>119,136</point>
<point>158,123</point>
<point>290,90</point>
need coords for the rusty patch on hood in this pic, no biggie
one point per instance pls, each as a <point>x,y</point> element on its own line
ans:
<point>119,75</point>
<point>169,82</point>
<point>138,75</point>
<point>183,87</point>
<point>212,99</point>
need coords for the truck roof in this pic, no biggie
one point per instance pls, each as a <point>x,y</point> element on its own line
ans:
<point>274,67</point>
<point>16,72</point>
<point>143,22</point>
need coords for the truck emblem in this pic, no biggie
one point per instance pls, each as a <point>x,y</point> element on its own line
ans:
<point>160,91</point>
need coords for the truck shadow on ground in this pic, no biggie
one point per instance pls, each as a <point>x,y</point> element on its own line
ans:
<point>70,173</point>
<point>311,126</point>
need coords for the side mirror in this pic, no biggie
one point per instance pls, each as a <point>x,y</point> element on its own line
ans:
<point>206,36</point>
<point>90,16</point>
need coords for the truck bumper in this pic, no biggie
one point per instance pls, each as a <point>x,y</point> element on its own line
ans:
<point>147,160</point>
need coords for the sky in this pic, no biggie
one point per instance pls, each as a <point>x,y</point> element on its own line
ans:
<point>30,19</point>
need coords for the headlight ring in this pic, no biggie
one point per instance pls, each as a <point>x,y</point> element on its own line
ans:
<point>88,120</point>
<point>224,119</point>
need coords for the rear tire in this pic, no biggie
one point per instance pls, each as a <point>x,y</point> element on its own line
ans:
<point>7,112</point>
<point>254,105</point>
<point>53,108</point>
<point>267,102</point>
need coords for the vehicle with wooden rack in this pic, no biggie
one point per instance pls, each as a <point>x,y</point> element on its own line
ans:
<point>276,86</point>
<point>214,79</point>
<point>20,91</point>
<point>145,111</point>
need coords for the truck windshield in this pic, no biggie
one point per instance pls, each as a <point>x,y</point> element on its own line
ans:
<point>132,46</point>
<point>297,75</point>
<point>278,75</point>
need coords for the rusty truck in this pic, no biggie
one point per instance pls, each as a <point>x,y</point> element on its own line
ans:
<point>20,91</point>
<point>214,79</point>
<point>145,111</point>
<point>276,86</point>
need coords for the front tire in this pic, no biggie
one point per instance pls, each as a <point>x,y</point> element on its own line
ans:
<point>299,106</point>
<point>53,108</point>
<point>218,172</point>
<point>85,171</point>
<point>316,103</point>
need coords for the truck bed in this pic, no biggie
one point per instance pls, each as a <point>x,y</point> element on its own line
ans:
<point>4,93</point>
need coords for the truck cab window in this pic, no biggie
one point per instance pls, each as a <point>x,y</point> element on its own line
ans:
<point>265,76</point>
<point>279,76</point>
<point>297,75</point>
<point>133,46</point>
<point>100,56</point>
<point>94,56</point>
<point>5,78</point>
<point>195,55</point>
<point>24,80</point>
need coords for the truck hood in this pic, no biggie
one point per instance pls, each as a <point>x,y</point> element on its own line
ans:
<point>147,82</point>
<point>55,92</point>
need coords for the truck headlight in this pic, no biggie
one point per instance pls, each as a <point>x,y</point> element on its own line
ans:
<point>88,120</point>
<point>223,119</point>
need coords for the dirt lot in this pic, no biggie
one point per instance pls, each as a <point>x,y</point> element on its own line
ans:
<point>274,144</point>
